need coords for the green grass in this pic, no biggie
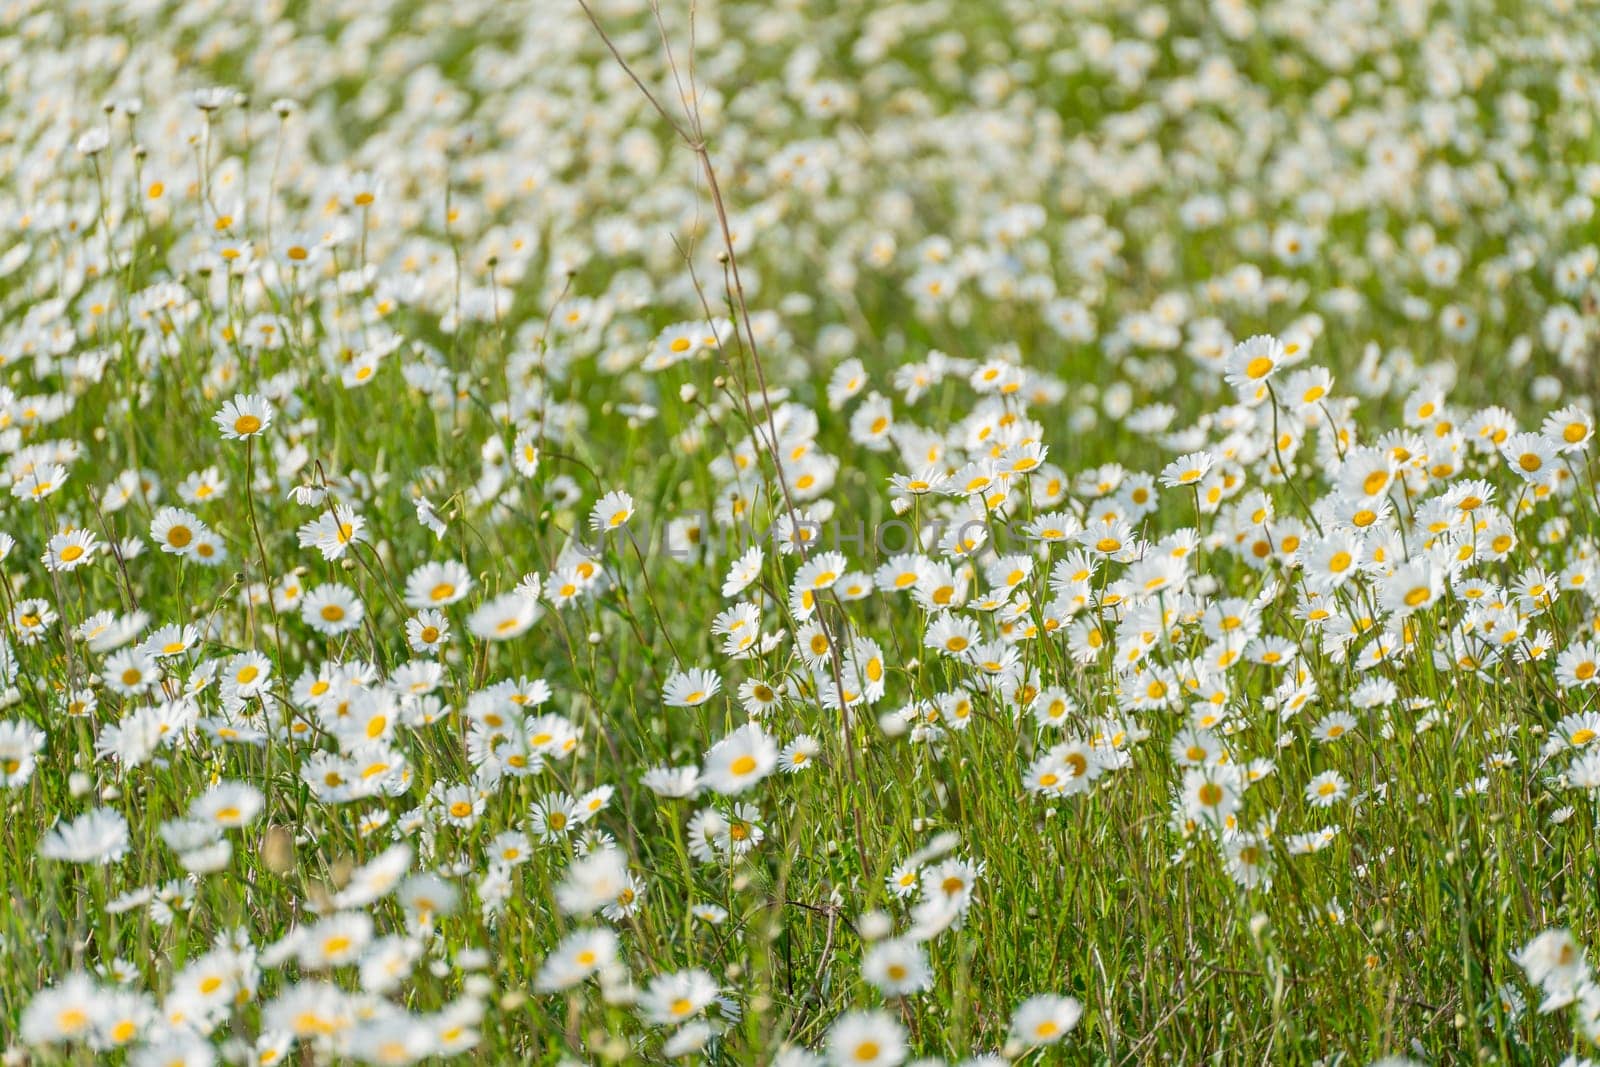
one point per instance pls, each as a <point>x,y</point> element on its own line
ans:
<point>1397,938</point>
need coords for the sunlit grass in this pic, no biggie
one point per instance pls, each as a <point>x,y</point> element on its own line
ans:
<point>407,418</point>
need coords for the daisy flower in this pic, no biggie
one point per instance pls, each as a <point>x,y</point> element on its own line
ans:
<point>743,571</point>
<point>332,609</point>
<point>740,760</point>
<point>427,631</point>
<point>175,530</point>
<point>1044,1019</point>
<point>69,551</point>
<point>611,511</point>
<point>1186,470</point>
<point>897,967</point>
<point>437,584</point>
<point>40,482</point>
<point>99,837</point>
<point>503,618</point>
<point>867,1039</point>
<point>691,688</point>
<point>245,416</point>
<point>1326,789</point>
<point>799,754</point>
<point>672,998</point>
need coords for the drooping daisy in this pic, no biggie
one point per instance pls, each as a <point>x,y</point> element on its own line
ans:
<point>333,532</point>
<point>743,571</point>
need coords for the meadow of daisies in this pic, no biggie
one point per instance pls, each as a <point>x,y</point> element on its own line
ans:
<point>799,532</point>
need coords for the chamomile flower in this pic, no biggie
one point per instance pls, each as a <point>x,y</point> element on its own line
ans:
<point>580,955</point>
<point>1251,364</point>
<point>20,745</point>
<point>228,804</point>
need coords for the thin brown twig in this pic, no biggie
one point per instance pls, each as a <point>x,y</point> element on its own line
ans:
<point>697,144</point>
